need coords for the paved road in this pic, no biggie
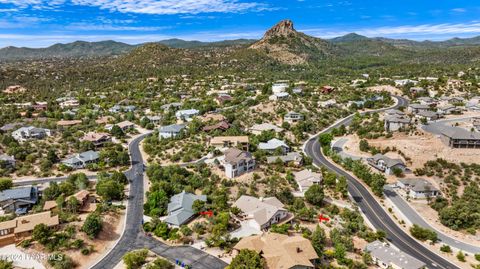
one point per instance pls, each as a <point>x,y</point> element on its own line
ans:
<point>134,238</point>
<point>338,147</point>
<point>414,217</point>
<point>372,209</point>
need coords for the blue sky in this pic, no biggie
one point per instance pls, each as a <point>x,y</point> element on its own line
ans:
<point>40,23</point>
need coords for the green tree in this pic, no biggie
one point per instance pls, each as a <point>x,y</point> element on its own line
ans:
<point>423,233</point>
<point>314,195</point>
<point>319,239</point>
<point>109,189</point>
<point>5,183</point>
<point>93,225</point>
<point>325,139</point>
<point>4,264</point>
<point>342,186</point>
<point>117,132</point>
<point>247,259</point>
<point>41,233</point>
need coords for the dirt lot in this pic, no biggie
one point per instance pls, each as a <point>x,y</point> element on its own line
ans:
<point>420,148</point>
<point>387,88</point>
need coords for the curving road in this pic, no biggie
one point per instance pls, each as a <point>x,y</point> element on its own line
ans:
<point>375,213</point>
<point>133,237</point>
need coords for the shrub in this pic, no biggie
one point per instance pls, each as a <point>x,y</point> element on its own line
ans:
<point>93,225</point>
<point>85,251</point>
<point>423,234</point>
<point>135,259</point>
<point>446,248</point>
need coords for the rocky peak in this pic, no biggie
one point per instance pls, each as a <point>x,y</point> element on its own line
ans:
<point>283,28</point>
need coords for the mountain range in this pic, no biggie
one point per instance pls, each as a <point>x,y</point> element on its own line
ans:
<point>282,43</point>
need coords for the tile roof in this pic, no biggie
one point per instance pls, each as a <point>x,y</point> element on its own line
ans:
<point>281,251</point>
<point>234,155</point>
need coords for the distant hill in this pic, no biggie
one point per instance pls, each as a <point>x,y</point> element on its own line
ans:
<point>280,44</point>
<point>182,44</point>
<point>75,49</point>
<point>283,43</point>
<point>348,38</point>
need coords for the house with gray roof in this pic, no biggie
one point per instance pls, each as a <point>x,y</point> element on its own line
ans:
<point>428,115</point>
<point>80,161</point>
<point>449,109</point>
<point>394,123</point>
<point>418,188</point>
<point>386,164</point>
<point>18,199</point>
<point>394,112</point>
<point>456,137</point>
<point>293,117</point>
<point>167,107</point>
<point>291,157</point>
<point>260,213</point>
<point>386,256</point>
<point>306,178</point>
<point>30,132</point>
<point>180,208</point>
<point>7,161</point>
<point>274,145</point>
<point>416,108</point>
<point>170,131</point>
<point>187,114</point>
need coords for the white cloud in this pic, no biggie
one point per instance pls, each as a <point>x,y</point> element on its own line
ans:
<point>172,6</point>
<point>35,4</point>
<point>162,7</point>
<point>110,27</point>
<point>424,31</point>
<point>459,10</point>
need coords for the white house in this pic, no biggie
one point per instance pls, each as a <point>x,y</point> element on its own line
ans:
<point>273,144</point>
<point>260,214</point>
<point>30,132</point>
<point>386,164</point>
<point>170,131</point>
<point>395,123</point>
<point>418,188</point>
<point>292,117</point>
<point>186,115</point>
<point>306,178</point>
<point>81,160</point>
<point>237,162</point>
<point>279,87</point>
<point>279,96</point>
